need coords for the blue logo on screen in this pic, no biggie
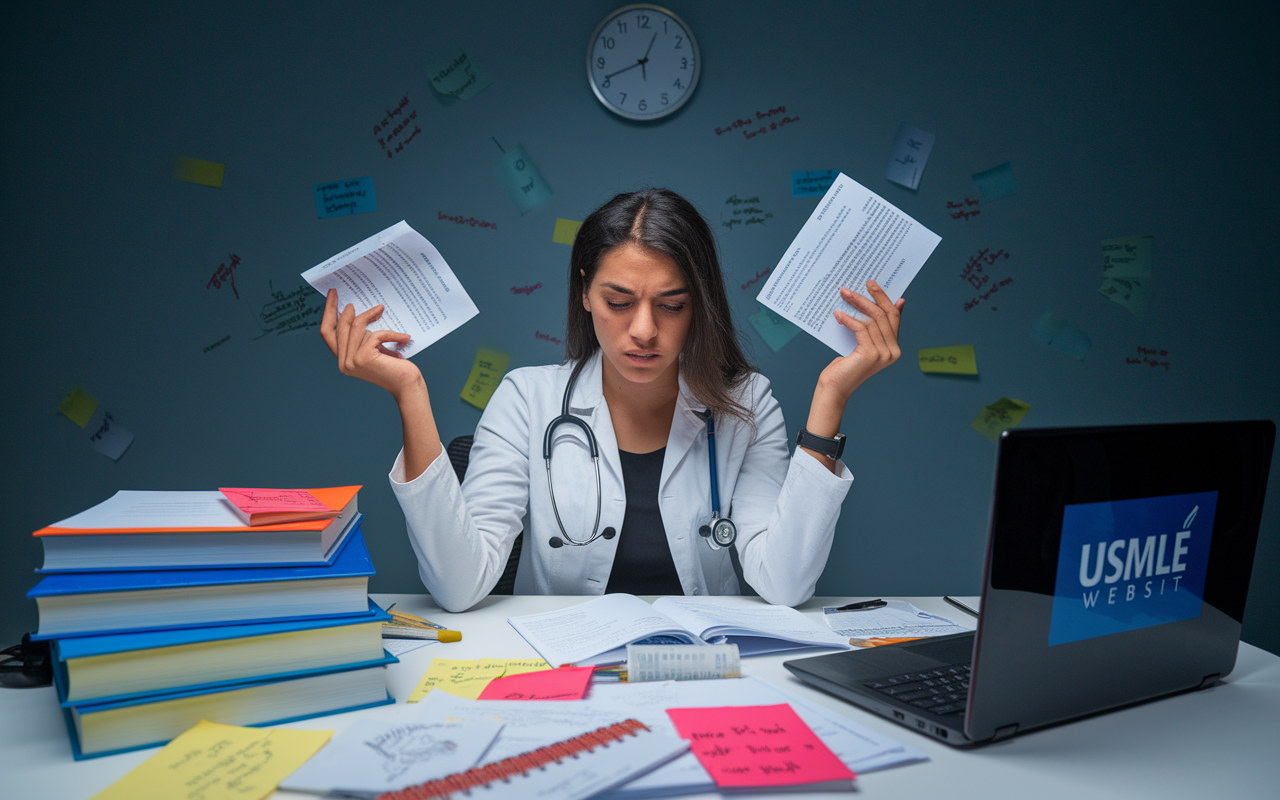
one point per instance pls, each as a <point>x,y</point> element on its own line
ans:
<point>1131,564</point>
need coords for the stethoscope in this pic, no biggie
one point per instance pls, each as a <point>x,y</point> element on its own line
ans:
<point>719,534</point>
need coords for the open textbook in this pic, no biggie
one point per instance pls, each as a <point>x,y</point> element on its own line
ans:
<point>599,630</point>
<point>401,270</point>
<point>853,236</point>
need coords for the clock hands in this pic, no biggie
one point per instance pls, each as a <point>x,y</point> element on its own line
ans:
<point>639,62</point>
<point>624,69</point>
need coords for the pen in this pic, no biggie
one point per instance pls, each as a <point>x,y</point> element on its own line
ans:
<point>865,605</point>
<point>960,605</point>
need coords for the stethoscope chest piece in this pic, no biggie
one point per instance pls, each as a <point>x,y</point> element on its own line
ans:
<point>720,533</point>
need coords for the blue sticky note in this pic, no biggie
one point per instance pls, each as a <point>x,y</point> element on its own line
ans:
<point>997,182</point>
<point>774,329</point>
<point>1062,335</point>
<point>340,198</point>
<point>808,183</point>
<point>521,179</point>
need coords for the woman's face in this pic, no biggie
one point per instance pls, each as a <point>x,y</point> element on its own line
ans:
<point>641,308</point>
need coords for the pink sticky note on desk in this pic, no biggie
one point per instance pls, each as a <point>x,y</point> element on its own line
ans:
<point>758,746</point>
<point>566,683</point>
<point>271,506</point>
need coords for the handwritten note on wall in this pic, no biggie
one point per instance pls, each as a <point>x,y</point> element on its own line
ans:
<point>297,310</point>
<point>472,221</point>
<point>763,122</point>
<point>1150,357</point>
<point>976,273</point>
<point>743,212</point>
<point>341,198</point>
<point>454,74</point>
<point>225,273</point>
<point>964,209</point>
<point>524,184</point>
<point>752,746</point>
<point>485,376</point>
<point>997,183</point>
<point>1127,276</point>
<point>956,360</point>
<point>218,762</point>
<point>393,130</point>
<point>808,183</point>
<point>911,149</point>
<point>108,436</point>
<point>193,170</point>
<point>1003,414</point>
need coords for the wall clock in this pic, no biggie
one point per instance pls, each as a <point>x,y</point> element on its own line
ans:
<point>643,62</point>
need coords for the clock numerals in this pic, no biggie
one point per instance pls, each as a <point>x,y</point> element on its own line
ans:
<point>644,106</point>
<point>664,98</point>
<point>622,27</point>
<point>679,43</point>
<point>642,21</point>
<point>678,84</point>
<point>607,42</point>
<point>623,101</point>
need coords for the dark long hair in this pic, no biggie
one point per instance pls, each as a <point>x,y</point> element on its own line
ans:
<point>712,362</point>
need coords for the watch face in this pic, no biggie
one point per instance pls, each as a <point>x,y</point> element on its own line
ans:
<point>642,62</point>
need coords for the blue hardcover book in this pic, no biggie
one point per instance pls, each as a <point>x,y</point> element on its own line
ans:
<point>91,603</point>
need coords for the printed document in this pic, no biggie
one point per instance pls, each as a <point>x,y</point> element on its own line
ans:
<point>853,236</point>
<point>897,619</point>
<point>401,270</point>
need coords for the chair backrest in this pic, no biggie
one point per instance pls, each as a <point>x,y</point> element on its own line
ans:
<point>459,451</point>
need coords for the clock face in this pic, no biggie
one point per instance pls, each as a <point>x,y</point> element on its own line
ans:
<point>642,62</point>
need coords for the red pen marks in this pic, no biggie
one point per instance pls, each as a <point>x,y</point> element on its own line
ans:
<point>472,221</point>
<point>526,289</point>
<point>393,127</point>
<point>547,337</point>
<point>1145,357</point>
<point>975,273</point>
<point>757,125</point>
<point>757,278</point>
<point>964,206</point>
<point>225,272</point>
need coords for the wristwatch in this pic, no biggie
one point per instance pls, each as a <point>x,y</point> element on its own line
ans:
<point>831,448</point>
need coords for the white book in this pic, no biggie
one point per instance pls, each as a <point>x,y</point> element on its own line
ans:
<point>599,630</point>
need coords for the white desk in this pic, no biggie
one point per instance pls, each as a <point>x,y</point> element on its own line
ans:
<point>1222,742</point>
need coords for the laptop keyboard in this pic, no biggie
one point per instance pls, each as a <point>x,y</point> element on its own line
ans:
<point>943,691</point>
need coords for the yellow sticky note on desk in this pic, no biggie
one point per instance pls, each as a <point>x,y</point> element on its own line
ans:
<point>957,360</point>
<point>485,376</point>
<point>1002,414</point>
<point>458,677</point>
<point>517,667</point>
<point>566,231</point>
<point>219,762</point>
<point>193,170</point>
<point>79,407</point>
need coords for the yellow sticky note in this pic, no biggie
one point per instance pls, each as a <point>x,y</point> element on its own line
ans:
<point>566,231</point>
<point>957,360</point>
<point>485,376</point>
<point>517,667</point>
<point>193,170</point>
<point>1002,414</point>
<point>78,407</point>
<point>458,677</point>
<point>219,762</point>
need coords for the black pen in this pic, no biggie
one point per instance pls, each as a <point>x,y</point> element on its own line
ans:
<point>865,605</point>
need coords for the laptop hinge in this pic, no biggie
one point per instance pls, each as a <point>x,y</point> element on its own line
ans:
<point>1004,733</point>
<point>1209,680</point>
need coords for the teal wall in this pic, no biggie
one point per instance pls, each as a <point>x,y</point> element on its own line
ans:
<point>1117,121</point>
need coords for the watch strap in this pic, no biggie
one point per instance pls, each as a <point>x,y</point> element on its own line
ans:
<point>832,448</point>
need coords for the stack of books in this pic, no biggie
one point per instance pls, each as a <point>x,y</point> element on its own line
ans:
<point>166,608</point>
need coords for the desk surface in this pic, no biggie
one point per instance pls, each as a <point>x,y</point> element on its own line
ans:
<point>1218,742</point>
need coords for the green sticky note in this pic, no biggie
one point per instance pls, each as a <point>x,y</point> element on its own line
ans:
<point>957,360</point>
<point>193,170</point>
<point>775,330</point>
<point>485,376</point>
<point>1127,257</point>
<point>1132,293</point>
<point>78,407</point>
<point>1000,415</point>
<point>454,74</point>
<point>524,184</point>
<point>566,231</point>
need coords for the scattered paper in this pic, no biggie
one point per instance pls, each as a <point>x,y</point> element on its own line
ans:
<point>78,407</point>
<point>218,762</point>
<point>853,236</point>
<point>524,184</point>
<point>997,183</point>
<point>775,330</point>
<point>342,198</point>
<point>455,75</point>
<point>893,622</point>
<point>911,148</point>
<point>565,232</point>
<point>565,683</point>
<point>1127,276</point>
<point>403,271</point>
<point>193,170</point>
<point>956,360</point>
<point>398,647</point>
<point>373,756</point>
<point>1000,415</point>
<point>108,436</point>
<point>807,183</point>
<point>462,678</point>
<point>748,746</point>
<point>485,376</point>
<point>1061,334</point>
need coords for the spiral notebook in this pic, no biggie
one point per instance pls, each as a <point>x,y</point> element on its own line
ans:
<point>573,769</point>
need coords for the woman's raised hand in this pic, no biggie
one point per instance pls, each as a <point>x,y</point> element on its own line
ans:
<point>877,340</point>
<point>362,353</point>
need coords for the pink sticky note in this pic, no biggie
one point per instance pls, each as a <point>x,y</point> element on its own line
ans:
<point>566,683</point>
<point>271,506</point>
<point>758,746</point>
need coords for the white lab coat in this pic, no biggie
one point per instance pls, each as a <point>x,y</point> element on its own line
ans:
<point>785,507</point>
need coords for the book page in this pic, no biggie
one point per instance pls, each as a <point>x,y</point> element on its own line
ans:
<point>714,616</point>
<point>853,236</point>
<point>144,509</point>
<point>575,634</point>
<point>401,270</point>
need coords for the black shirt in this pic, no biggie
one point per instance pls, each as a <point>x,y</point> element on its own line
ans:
<point>643,563</point>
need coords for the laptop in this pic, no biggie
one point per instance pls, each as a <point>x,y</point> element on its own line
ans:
<point>1118,563</point>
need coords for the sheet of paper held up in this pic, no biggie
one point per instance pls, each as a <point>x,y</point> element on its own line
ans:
<point>897,620</point>
<point>853,236</point>
<point>400,269</point>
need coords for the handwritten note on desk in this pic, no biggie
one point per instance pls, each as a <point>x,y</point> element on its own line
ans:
<point>749,746</point>
<point>462,678</point>
<point>213,762</point>
<point>566,683</point>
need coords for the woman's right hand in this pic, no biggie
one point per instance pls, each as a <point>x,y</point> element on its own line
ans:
<point>362,353</point>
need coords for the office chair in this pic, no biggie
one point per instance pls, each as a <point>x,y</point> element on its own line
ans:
<point>459,451</point>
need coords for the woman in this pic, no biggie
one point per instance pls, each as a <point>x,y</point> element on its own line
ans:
<point>652,351</point>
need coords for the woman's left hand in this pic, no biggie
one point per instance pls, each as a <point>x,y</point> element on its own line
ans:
<point>877,340</point>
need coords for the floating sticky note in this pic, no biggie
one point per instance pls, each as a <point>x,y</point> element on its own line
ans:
<point>107,436</point>
<point>1061,334</point>
<point>565,232</point>
<point>997,182</point>
<point>1000,415</point>
<point>1132,293</point>
<point>911,148</point>
<point>457,677</point>
<point>957,360</point>
<point>219,762</point>
<point>807,183</point>
<point>517,667</point>
<point>455,75</point>
<point>78,407</point>
<point>775,330</point>
<point>485,376</point>
<point>1127,257</point>
<point>193,170</point>
<point>521,179</point>
<point>747,746</point>
<point>566,683</point>
<point>341,198</point>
